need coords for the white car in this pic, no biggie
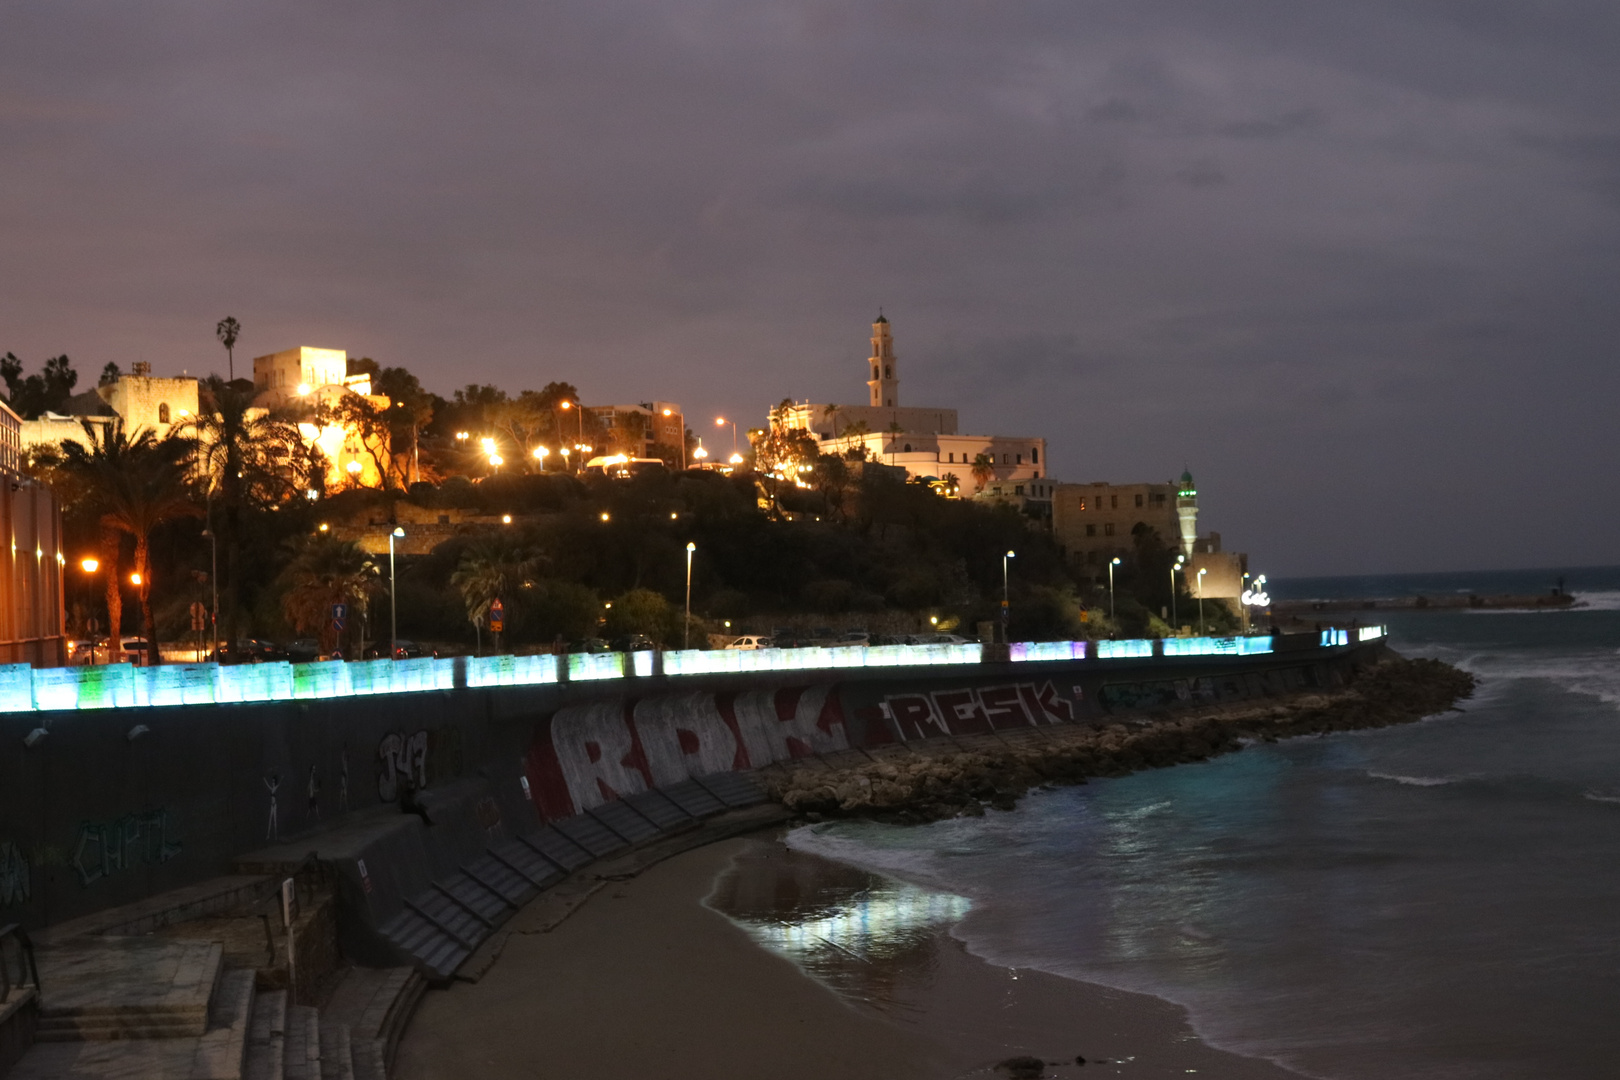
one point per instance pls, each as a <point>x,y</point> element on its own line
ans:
<point>751,641</point>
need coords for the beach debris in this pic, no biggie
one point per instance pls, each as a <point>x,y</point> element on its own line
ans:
<point>1079,1059</point>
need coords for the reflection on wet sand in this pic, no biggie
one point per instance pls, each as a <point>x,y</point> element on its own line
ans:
<point>872,939</point>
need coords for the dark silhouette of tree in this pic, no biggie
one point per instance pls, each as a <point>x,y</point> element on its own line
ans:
<point>109,374</point>
<point>228,331</point>
<point>326,571</point>
<point>47,391</point>
<point>136,484</point>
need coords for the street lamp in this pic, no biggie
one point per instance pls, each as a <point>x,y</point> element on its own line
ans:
<point>686,635</point>
<point>1203,631</point>
<point>90,566</point>
<point>540,453</point>
<point>1005,610</point>
<point>721,421</point>
<point>1175,620</point>
<point>393,602</point>
<point>213,579</point>
<point>700,454</point>
<point>1111,564</point>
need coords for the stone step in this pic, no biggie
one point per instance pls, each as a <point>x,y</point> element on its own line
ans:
<point>127,987</point>
<point>267,1038</point>
<point>218,1054</point>
<point>337,1061</point>
<point>375,1004</point>
<point>302,1058</point>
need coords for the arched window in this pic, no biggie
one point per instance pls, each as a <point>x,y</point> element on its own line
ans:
<point>888,373</point>
<point>1034,455</point>
<point>874,373</point>
<point>908,448</point>
<point>163,412</point>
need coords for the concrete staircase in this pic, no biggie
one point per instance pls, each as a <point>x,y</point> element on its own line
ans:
<point>148,1008</point>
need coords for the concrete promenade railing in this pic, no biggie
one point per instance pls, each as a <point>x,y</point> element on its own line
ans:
<point>24,688</point>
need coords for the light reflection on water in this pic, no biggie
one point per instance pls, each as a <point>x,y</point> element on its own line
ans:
<point>864,935</point>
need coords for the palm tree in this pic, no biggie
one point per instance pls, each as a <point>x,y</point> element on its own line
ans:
<point>494,568</point>
<point>136,484</point>
<point>326,571</point>
<point>894,431</point>
<point>984,470</point>
<point>831,413</point>
<point>227,331</point>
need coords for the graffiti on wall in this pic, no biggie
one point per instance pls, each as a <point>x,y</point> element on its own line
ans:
<point>401,759</point>
<point>108,847</point>
<point>967,710</point>
<point>14,884</point>
<point>595,752</point>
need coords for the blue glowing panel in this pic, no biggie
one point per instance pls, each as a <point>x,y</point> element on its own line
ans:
<point>16,687</point>
<point>322,679</point>
<point>541,668</point>
<point>1040,650</point>
<point>583,667</point>
<point>371,677</point>
<point>1110,650</point>
<point>1369,633</point>
<point>1254,646</point>
<point>491,671</point>
<point>643,663</point>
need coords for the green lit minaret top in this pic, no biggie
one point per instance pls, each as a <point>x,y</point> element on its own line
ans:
<point>1187,489</point>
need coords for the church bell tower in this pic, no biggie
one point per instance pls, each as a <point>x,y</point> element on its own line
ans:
<point>885,380</point>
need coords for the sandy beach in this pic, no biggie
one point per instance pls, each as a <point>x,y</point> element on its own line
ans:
<point>646,979</point>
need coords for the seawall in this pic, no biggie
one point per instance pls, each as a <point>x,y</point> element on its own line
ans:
<point>115,804</point>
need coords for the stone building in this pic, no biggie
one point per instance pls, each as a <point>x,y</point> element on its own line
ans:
<point>922,440</point>
<point>315,383</point>
<point>659,423</point>
<point>143,401</point>
<point>1092,523</point>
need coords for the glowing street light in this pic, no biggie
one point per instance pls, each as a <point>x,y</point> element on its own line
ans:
<point>1175,620</point>
<point>135,578</point>
<point>1005,609</point>
<point>721,421</point>
<point>89,566</point>
<point>1202,630</point>
<point>736,459</point>
<point>686,628</point>
<point>540,453</point>
<point>604,515</point>
<point>303,389</point>
<point>506,519</point>
<point>325,526</point>
<point>393,603</point>
<point>1113,563</point>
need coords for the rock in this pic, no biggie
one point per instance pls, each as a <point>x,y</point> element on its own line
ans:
<point>1023,1067</point>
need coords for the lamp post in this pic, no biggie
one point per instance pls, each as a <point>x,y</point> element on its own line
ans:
<point>579,412</point>
<point>686,634</point>
<point>213,580</point>
<point>1203,631</point>
<point>1111,564</point>
<point>1175,619</point>
<point>393,601</point>
<point>1005,609</point>
<point>90,566</point>
<point>540,453</point>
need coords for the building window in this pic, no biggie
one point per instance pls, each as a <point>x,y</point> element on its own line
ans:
<point>1004,459</point>
<point>1139,500</point>
<point>875,373</point>
<point>163,412</point>
<point>1091,530</point>
<point>1019,490</point>
<point>1092,558</point>
<point>908,448</point>
<point>1020,459</point>
<point>1108,529</point>
<point>1037,474</point>
<point>1114,504</point>
<point>1082,504</point>
<point>1034,455</point>
<point>888,373</point>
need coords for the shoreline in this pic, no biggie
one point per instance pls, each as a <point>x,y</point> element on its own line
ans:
<point>916,782</point>
<point>645,977</point>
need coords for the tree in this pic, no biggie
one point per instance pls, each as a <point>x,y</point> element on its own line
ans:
<point>642,611</point>
<point>984,470</point>
<point>326,571</point>
<point>250,461</point>
<point>495,568</point>
<point>109,374</point>
<point>47,391</point>
<point>228,331</point>
<point>831,413</point>
<point>136,485</point>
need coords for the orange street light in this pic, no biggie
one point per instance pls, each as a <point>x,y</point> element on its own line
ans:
<point>89,566</point>
<point>135,578</point>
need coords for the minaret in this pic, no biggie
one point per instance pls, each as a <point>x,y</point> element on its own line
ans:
<point>885,382</point>
<point>1187,511</point>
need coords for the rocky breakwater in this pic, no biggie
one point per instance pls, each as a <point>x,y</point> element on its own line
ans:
<point>928,781</point>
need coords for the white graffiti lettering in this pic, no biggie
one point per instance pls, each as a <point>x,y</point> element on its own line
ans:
<point>593,746</point>
<point>401,758</point>
<point>684,735</point>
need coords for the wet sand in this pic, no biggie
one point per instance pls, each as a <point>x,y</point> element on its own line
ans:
<point>646,979</point>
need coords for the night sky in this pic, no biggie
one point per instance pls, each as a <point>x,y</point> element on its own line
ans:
<point>1353,262</point>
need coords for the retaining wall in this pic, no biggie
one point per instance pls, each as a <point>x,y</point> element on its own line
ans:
<point>114,804</point>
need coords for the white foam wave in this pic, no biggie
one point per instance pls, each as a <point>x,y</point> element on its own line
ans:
<point>1598,601</point>
<point>1598,796</point>
<point>1417,781</point>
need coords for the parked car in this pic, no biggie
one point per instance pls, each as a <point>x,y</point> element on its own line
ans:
<point>250,651</point>
<point>753,641</point>
<point>86,650</point>
<point>134,650</point>
<point>303,650</point>
<point>851,638</point>
<point>633,643</point>
<point>410,650</point>
<point>935,639</point>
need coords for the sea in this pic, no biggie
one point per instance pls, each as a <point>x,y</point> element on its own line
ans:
<point>1436,900</point>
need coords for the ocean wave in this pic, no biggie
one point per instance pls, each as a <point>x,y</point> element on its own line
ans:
<point>1419,781</point>
<point>1600,796</point>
